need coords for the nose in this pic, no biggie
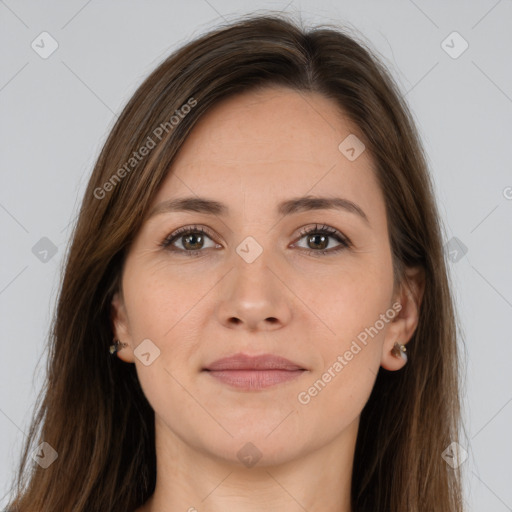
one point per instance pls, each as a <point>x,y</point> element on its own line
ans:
<point>253,296</point>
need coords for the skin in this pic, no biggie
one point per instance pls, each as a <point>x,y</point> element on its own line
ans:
<point>251,152</point>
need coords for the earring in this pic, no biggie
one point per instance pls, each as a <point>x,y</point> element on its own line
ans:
<point>117,346</point>
<point>399,350</point>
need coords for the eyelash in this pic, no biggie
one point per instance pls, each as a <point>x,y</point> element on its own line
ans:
<point>345,243</point>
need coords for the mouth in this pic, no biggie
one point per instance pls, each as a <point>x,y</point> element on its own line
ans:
<point>253,373</point>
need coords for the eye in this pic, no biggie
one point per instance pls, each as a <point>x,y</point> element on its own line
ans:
<point>191,238</point>
<point>319,237</point>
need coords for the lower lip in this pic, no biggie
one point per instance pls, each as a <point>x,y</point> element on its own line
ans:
<point>254,380</point>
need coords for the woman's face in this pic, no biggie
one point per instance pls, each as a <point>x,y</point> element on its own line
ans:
<point>256,283</point>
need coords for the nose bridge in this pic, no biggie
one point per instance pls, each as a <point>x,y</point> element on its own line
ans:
<point>253,261</point>
<point>252,293</point>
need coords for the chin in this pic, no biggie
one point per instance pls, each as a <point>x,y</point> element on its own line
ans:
<point>256,448</point>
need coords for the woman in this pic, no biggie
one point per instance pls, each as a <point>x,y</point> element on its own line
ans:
<point>255,311</point>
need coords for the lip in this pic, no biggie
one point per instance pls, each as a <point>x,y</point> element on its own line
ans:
<point>253,373</point>
<point>245,362</point>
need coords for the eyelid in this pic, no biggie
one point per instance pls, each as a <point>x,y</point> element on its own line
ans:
<point>169,239</point>
<point>343,240</point>
<point>326,229</point>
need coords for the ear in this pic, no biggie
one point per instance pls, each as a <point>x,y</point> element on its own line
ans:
<point>120,327</point>
<point>405,322</point>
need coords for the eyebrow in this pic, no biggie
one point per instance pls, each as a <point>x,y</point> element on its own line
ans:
<point>288,207</point>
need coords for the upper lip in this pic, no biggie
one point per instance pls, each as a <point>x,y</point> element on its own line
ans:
<point>245,362</point>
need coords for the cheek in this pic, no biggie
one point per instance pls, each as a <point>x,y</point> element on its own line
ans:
<point>350,352</point>
<point>157,298</point>
<point>348,298</point>
<point>165,308</point>
<point>354,311</point>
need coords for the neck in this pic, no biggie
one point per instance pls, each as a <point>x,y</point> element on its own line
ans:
<point>192,480</point>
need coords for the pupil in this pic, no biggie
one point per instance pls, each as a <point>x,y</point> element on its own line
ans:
<point>323,237</point>
<point>188,237</point>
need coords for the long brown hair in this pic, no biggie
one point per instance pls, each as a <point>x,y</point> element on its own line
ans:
<point>92,410</point>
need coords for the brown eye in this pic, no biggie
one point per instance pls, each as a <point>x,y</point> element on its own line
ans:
<point>191,239</point>
<point>318,239</point>
<point>321,241</point>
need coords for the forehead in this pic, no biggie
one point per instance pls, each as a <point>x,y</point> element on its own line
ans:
<point>268,145</point>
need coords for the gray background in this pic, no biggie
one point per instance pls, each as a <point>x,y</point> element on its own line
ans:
<point>55,113</point>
